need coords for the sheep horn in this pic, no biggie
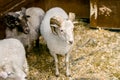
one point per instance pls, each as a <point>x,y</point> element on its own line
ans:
<point>56,20</point>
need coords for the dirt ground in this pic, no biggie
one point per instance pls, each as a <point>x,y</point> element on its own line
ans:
<point>95,56</point>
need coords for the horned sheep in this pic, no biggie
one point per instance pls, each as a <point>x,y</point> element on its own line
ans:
<point>57,30</point>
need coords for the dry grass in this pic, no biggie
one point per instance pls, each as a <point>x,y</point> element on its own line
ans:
<point>95,56</point>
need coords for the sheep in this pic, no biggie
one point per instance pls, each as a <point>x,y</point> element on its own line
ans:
<point>31,18</point>
<point>57,30</point>
<point>13,63</point>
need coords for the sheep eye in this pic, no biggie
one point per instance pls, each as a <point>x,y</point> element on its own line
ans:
<point>61,30</point>
<point>16,22</point>
<point>26,77</point>
<point>27,16</point>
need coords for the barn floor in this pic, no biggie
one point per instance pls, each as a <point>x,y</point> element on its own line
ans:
<point>95,56</point>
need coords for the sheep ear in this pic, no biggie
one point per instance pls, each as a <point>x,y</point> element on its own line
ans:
<point>17,15</point>
<point>71,16</point>
<point>13,14</point>
<point>23,10</point>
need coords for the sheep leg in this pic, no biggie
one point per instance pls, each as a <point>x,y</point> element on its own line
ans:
<point>19,73</point>
<point>56,65</point>
<point>25,67</point>
<point>68,74</point>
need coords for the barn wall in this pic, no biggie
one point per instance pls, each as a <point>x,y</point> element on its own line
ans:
<point>80,7</point>
<point>105,14</point>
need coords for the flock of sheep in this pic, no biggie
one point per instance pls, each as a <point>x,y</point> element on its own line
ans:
<point>23,29</point>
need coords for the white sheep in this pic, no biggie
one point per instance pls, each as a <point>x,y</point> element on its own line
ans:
<point>13,63</point>
<point>35,15</point>
<point>57,30</point>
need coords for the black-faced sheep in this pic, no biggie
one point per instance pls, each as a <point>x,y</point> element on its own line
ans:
<point>13,63</point>
<point>18,21</point>
<point>57,30</point>
<point>26,24</point>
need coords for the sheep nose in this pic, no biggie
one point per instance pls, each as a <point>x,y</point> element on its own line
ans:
<point>26,77</point>
<point>70,42</point>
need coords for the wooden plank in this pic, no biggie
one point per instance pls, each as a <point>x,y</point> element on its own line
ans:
<point>107,14</point>
<point>109,17</point>
<point>93,12</point>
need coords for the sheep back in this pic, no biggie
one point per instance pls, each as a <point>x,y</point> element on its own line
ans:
<point>36,16</point>
<point>12,53</point>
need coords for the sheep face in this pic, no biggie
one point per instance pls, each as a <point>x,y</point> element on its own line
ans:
<point>63,28</point>
<point>20,21</point>
<point>65,32</point>
<point>8,72</point>
<point>23,24</point>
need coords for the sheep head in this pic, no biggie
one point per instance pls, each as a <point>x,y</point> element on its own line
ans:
<point>63,28</point>
<point>11,20</point>
<point>19,20</point>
